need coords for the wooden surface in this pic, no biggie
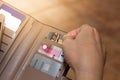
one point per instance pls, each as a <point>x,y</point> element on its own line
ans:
<point>70,14</point>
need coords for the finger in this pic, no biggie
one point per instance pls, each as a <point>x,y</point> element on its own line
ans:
<point>86,31</point>
<point>86,28</point>
<point>71,34</point>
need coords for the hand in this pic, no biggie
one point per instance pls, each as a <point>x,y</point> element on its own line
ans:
<point>83,52</point>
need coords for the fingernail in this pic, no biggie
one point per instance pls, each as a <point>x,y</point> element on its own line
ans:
<point>73,33</point>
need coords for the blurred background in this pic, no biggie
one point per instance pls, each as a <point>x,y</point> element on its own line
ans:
<point>70,14</point>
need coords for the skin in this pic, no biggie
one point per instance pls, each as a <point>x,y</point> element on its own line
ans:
<point>83,52</point>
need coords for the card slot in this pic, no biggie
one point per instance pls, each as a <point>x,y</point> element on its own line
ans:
<point>8,32</point>
<point>7,35</point>
<point>6,40</point>
<point>0,27</point>
<point>1,50</point>
<point>1,56</point>
<point>4,47</point>
<point>4,43</point>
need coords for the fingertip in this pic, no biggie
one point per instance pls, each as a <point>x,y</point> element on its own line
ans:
<point>72,34</point>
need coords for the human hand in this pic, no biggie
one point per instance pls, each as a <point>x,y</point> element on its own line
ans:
<point>83,52</point>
